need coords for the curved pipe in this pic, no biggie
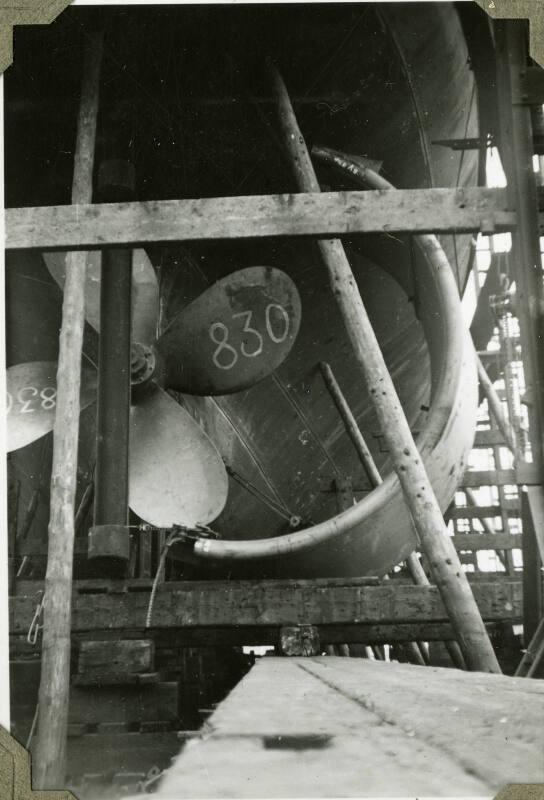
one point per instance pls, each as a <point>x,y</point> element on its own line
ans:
<point>454,338</point>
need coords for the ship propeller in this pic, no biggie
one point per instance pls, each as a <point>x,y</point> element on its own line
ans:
<point>31,400</point>
<point>231,337</point>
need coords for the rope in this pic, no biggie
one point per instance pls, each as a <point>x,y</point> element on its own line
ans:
<point>34,629</point>
<point>178,534</point>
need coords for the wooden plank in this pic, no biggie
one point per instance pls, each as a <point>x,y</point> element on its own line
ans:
<point>143,585</point>
<point>511,507</point>
<point>270,603</point>
<point>355,728</point>
<point>251,635</point>
<point>308,214</point>
<point>361,633</point>
<point>489,438</point>
<point>495,355</point>
<point>489,477</point>
<point>124,656</point>
<point>487,541</point>
<point>495,577</point>
<point>104,678</point>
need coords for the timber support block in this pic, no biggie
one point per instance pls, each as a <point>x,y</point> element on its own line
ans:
<point>299,640</point>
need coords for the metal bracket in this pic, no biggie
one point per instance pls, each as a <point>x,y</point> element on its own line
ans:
<point>528,475</point>
<point>528,86</point>
<point>381,437</point>
<point>474,143</point>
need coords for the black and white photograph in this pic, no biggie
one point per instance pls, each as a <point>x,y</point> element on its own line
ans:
<point>274,381</point>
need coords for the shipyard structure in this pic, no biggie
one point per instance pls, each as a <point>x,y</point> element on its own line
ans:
<point>275,400</point>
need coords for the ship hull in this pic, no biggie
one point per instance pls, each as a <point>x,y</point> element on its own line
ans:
<point>382,81</point>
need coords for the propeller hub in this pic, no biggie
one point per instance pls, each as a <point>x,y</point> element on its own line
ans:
<point>142,363</point>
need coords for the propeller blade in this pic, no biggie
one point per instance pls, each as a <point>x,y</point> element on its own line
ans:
<point>232,336</point>
<point>145,291</point>
<point>31,400</point>
<point>176,475</point>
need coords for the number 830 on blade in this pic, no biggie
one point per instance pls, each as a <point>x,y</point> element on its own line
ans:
<point>234,335</point>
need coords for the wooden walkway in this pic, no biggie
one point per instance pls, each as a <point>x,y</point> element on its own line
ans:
<point>349,727</point>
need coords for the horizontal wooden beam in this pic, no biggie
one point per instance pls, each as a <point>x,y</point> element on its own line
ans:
<point>326,214</point>
<point>257,635</point>
<point>489,477</point>
<point>497,355</point>
<point>511,507</point>
<point>269,603</point>
<point>487,541</point>
<point>114,586</point>
<point>489,438</point>
<point>527,474</point>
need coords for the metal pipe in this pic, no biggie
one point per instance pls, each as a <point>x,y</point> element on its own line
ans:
<point>350,424</point>
<point>111,482</point>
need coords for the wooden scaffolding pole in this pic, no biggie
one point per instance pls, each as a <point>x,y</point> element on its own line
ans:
<point>495,408</point>
<point>49,761</point>
<point>426,514</point>
<point>516,148</point>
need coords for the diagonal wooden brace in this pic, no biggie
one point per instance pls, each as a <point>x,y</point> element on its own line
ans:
<point>420,498</point>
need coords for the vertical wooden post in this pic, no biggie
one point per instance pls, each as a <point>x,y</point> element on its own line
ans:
<point>49,762</point>
<point>516,147</point>
<point>517,150</point>
<point>426,514</point>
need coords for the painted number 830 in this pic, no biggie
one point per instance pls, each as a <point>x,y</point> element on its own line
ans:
<point>30,399</point>
<point>277,329</point>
